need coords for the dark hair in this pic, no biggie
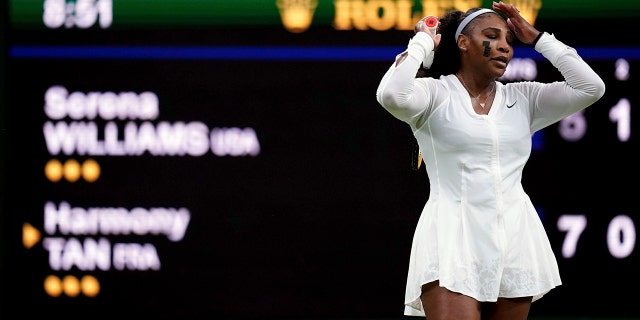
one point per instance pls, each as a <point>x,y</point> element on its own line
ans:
<point>446,59</point>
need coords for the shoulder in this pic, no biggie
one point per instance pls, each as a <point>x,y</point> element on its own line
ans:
<point>522,88</point>
<point>443,83</point>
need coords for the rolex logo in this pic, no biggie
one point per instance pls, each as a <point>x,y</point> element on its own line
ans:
<point>528,9</point>
<point>296,15</point>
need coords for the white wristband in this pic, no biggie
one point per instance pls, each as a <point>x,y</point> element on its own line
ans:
<point>421,47</point>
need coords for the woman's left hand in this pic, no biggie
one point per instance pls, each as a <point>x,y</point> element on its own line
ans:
<point>525,32</point>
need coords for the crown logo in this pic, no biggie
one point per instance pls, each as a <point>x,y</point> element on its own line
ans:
<point>528,9</point>
<point>296,15</point>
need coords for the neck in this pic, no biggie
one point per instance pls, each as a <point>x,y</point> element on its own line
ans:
<point>472,86</point>
<point>475,98</point>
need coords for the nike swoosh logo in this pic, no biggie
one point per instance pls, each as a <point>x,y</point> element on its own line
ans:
<point>514,103</point>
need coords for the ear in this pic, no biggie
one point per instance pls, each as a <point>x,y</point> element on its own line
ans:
<point>463,42</point>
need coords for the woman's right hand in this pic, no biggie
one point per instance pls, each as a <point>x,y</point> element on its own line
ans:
<point>421,26</point>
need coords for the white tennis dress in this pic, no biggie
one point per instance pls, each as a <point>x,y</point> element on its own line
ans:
<point>479,233</point>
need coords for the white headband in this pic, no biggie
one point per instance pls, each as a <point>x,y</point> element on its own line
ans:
<point>468,19</point>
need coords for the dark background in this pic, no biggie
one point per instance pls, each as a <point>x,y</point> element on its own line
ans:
<point>319,224</point>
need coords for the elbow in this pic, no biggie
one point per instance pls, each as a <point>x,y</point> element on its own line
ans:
<point>388,99</point>
<point>597,90</point>
<point>394,104</point>
<point>600,88</point>
<point>592,90</point>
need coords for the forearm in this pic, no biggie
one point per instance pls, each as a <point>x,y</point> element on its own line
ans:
<point>396,92</point>
<point>588,87</point>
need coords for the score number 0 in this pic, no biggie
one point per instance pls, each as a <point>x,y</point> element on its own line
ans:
<point>621,235</point>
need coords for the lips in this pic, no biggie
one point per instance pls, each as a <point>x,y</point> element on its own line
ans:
<point>502,60</point>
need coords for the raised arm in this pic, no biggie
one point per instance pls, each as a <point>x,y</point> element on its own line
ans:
<point>398,91</point>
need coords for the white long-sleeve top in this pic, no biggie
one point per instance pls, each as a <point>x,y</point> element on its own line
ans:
<point>479,234</point>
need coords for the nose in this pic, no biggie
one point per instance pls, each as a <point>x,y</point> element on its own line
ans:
<point>503,45</point>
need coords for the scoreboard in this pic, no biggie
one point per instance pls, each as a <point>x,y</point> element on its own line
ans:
<point>228,159</point>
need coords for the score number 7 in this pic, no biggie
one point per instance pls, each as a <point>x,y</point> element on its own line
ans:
<point>621,235</point>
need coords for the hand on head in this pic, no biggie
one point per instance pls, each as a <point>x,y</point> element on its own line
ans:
<point>524,31</point>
